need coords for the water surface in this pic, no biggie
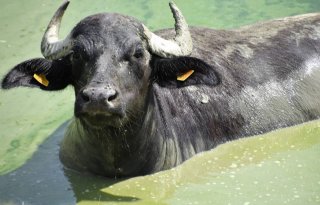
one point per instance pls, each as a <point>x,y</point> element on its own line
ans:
<point>286,170</point>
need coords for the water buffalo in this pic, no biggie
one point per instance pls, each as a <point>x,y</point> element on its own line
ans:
<point>145,103</point>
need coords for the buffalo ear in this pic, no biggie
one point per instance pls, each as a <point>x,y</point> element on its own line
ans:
<point>165,72</point>
<point>57,73</point>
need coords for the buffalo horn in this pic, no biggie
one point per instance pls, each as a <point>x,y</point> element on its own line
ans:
<point>51,46</point>
<point>181,45</point>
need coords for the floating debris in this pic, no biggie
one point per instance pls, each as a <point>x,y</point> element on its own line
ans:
<point>204,98</point>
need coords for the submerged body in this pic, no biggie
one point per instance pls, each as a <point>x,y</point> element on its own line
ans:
<point>270,78</point>
<point>245,82</point>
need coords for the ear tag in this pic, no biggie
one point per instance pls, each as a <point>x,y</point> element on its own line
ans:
<point>41,79</point>
<point>185,76</point>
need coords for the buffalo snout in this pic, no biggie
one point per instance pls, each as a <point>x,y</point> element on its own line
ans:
<point>104,95</point>
<point>99,101</point>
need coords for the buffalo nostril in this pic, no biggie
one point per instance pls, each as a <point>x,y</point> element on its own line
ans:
<point>112,96</point>
<point>85,95</point>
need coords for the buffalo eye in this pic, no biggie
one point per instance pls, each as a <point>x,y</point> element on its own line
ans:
<point>138,53</point>
<point>75,56</point>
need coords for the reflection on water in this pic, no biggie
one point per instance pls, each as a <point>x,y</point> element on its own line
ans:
<point>41,179</point>
<point>281,168</point>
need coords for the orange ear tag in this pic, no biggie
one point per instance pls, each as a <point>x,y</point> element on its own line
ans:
<point>185,76</point>
<point>41,79</point>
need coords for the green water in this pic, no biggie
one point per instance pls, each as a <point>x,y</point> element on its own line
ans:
<point>281,168</point>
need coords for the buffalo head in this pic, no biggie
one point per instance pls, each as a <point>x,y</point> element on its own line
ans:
<point>106,58</point>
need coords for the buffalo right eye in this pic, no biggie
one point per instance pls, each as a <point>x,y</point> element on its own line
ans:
<point>75,56</point>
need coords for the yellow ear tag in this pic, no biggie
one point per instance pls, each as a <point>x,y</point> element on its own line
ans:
<point>185,76</point>
<point>41,79</point>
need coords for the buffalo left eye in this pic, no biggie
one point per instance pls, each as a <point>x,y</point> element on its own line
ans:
<point>138,53</point>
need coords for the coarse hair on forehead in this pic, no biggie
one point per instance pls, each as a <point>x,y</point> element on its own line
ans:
<point>106,24</point>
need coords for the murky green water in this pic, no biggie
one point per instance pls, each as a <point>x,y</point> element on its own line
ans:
<point>279,168</point>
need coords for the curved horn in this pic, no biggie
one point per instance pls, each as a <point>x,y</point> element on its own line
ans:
<point>181,45</point>
<point>51,46</point>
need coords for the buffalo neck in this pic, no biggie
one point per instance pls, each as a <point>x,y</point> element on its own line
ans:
<point>164,136</point>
